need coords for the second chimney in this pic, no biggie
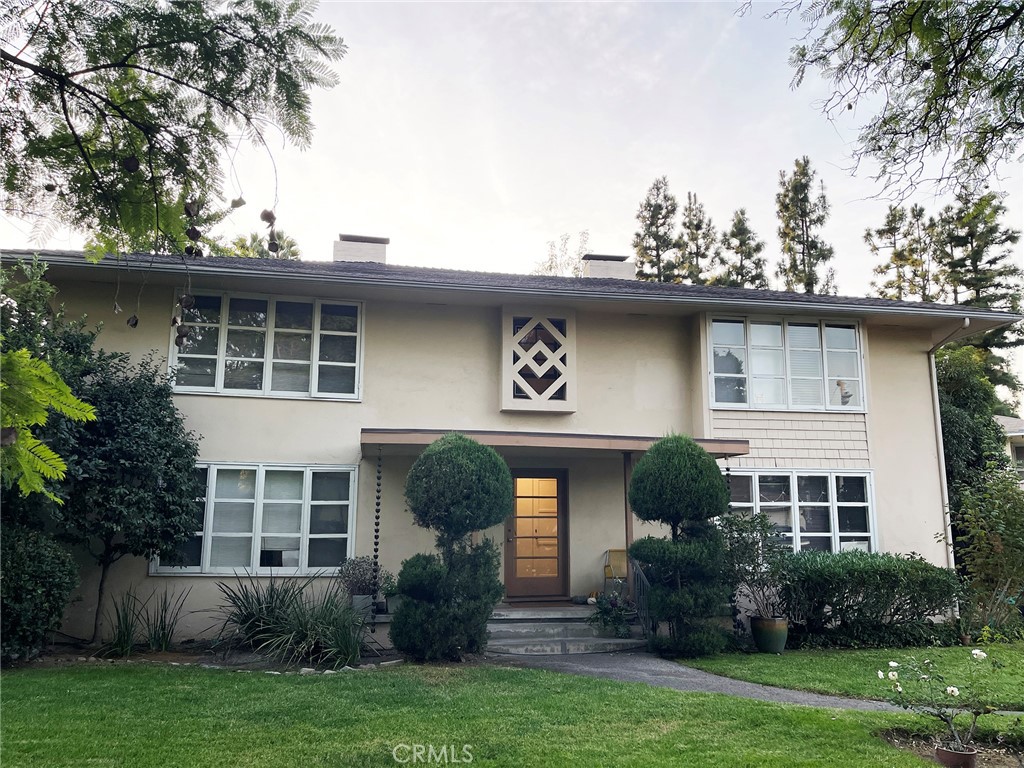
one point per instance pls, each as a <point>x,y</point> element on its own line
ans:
<point>595,265</point>
<point>360,248</point>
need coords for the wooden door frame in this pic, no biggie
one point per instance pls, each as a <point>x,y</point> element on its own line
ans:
<point>562,476</point>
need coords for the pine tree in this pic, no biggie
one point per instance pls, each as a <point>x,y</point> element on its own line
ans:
<point>698,243</point>
<point>742,264</point>
<point>910,269</point>
<point>975,252</point>
<point>655,241</point>
<point>801,216</point>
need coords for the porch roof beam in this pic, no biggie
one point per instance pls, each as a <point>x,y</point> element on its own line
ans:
<point>412,439</point>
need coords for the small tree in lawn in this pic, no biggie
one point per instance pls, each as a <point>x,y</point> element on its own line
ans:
<point>131,486</point>
<point>456,487</point>
<point>677,483</point>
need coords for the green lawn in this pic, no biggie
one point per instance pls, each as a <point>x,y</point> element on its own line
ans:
<point>854,672</point>
<point>142,715</point>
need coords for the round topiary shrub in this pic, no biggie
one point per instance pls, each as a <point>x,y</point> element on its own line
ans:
<point>37,578</point>
<point>458,486</point>
<point>677,483</point>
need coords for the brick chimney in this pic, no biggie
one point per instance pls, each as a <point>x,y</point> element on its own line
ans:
<point>595,265</point>
<point>360,248</point>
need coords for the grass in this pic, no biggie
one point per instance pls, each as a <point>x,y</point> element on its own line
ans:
<point>853,672</point>
<point>140,715</point>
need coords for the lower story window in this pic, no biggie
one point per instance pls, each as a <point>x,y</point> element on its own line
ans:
<point>826,511</point>
<point>273,519</point>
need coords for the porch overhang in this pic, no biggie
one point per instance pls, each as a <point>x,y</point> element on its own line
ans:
<point>407,442</point>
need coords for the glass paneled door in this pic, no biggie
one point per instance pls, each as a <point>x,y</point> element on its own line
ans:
<point>536,538</point>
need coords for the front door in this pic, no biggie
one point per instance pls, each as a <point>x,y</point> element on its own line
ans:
<point>536,537</point>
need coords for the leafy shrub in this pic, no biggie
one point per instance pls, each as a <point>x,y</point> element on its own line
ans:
<point>679,484</point>
<point>447,606</point>
<point>755,561</point>
<point>612,612</point>
<point>455,487</point>
<point>292,621</point>
<point>357,574</point>
<point>863,598</point>
<point>458,486</point>
<point>36,580</point>
<point>991,527</point>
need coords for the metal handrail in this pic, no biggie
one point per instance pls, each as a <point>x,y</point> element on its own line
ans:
<point>641,588</point>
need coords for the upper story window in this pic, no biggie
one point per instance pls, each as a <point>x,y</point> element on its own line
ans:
<point>270,519</point>
<point>538,361</point>
<point>786,364</point>
<point>825,511</point>
<point>273,347</point>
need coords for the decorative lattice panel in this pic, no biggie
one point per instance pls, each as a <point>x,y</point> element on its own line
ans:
<point>539,371</point>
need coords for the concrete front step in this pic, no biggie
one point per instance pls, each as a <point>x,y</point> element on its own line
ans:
<point>557,647</point>
<point>546,613</point>
<point>542,630</point>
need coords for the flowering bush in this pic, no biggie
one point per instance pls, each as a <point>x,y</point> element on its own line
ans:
<point>613,612</point>
<point>920,686</point>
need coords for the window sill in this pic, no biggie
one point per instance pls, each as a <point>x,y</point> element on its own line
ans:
<point>777,409</point>
<point>243,573</point>
<point>272,396</point>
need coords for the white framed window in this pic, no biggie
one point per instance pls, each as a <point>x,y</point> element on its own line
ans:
<point>538,369</point>
<point>782,364</point>
<point>272,519</point>
<point>273,347</point>
<point>812,510</point>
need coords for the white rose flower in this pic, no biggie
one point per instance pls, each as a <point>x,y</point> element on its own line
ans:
<point>881,675</point>
<point>894,675</point>
<point>953,690</point>
<point>979,654</point>
<point>893,664</point>
<point>899,688</point>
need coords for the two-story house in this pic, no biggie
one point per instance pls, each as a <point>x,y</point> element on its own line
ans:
<point>316,384</point>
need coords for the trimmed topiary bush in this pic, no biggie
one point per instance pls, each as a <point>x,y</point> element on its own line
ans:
<point>456,487</point>
<point>679,484</point>
<point>37,578</point>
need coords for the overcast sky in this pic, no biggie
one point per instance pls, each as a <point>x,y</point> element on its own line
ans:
<point>472,134</point>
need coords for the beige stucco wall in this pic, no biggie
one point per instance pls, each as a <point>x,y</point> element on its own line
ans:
<point>904,451</point>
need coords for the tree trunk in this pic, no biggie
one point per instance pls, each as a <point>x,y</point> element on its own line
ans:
<point>97,626</point>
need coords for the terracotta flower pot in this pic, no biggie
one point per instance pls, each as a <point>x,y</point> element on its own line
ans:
<point>953,759</point>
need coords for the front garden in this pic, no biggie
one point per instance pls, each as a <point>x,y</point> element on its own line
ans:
<point>142,715</point>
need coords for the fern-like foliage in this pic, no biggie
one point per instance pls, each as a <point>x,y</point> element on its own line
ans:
<point>29,389</point>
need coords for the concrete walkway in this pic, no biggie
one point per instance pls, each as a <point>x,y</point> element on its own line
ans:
<point>641,667</point>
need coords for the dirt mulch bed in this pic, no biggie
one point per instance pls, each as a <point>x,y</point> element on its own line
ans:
<point>989,755</point>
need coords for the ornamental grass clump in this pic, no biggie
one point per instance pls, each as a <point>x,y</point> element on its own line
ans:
<point>920,686</point>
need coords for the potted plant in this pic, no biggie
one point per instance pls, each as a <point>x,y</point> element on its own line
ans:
<point>357,574</point>
<point>959,703</point>
<point>756,564</point>
<point>613,613</point>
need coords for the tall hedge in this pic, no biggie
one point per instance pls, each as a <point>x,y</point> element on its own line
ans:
<point>454,488</point>
<point>678,483</point>
<point>37,576</point>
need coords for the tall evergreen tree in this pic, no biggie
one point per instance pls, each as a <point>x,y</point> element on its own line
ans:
<point>655,241</point>
<point>975,251</point>
<point>910,269</point>
<point>801,216</point>
<point>742,264</point>
<point>698,243</point>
